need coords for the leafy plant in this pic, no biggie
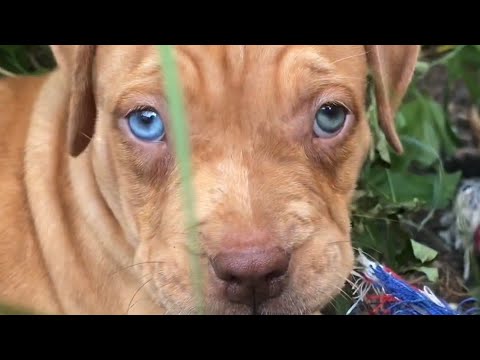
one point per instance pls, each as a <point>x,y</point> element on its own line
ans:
<point>25,59</point>
<point>464,64</point>
<point>393,188</point>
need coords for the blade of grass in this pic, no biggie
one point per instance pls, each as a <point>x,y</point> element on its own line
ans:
<point>182,149</point>
<point>6,72</point>
<point>390,185</point>
<point>14,310</point>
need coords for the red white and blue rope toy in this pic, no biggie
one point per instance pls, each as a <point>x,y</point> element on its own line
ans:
<point>379,291</point>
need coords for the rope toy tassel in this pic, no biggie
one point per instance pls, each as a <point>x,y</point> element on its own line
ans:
<point>382,292</point>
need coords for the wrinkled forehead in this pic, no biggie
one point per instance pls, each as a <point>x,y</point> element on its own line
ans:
<point>215,71</point>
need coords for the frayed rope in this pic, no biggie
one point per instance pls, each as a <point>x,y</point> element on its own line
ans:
<point>384,293</point>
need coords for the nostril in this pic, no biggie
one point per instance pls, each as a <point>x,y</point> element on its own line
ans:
<point>231,278</point>
<point>274,274</point>
<point>251,275</point>
<point>251,266</point>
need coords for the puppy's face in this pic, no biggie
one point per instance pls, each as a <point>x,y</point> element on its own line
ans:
<point>278,136</point>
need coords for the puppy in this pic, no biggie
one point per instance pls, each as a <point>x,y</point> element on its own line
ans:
<point>90,195</point>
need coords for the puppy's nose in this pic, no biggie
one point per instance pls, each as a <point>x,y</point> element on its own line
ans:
<point>252,275</point>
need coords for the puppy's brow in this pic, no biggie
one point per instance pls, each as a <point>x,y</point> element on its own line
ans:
<point>190,60</point>
<point>309,59</point>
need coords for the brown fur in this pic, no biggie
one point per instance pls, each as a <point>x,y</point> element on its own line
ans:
<point>92,218</point>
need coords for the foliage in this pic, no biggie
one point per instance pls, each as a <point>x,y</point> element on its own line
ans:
<point>392,188</point>
<point>24,59</point>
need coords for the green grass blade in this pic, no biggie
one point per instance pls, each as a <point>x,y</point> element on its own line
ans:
<point>182,149</point>
<point>5,72</point>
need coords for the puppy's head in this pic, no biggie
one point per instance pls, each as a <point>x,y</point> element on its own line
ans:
<point>278,137</point>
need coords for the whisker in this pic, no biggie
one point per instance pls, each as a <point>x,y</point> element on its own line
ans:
<point>349,77</point>
<point>349,57</point>
<point>369,247</point>
<point>375,218</point>
<point>83,134</point>
<point>342,291</point>
<point>346,279</point>
<point>140,300</point>
<point>338,242</point>
<point>130,266</point>
<point>197,224</point>
<point>136,292</point>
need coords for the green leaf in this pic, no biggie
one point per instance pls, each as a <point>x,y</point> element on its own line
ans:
<point>422,252</point>
<point>407,186</point>
<point>430,272</point>
<point>422,67</point>
<point>465,65</point>
<point>382,238</point>
<point>381,144</point>
<point>426,122</point>
<point>383,149</point>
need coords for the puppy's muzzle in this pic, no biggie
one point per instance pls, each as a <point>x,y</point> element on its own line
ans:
<point>251,276</point>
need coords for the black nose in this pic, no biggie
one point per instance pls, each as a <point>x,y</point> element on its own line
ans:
<point>252,276</point>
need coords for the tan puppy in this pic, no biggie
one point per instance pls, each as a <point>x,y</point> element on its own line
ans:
<point>90,199</point>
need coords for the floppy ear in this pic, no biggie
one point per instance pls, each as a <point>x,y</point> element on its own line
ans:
<point>392,68</point>
<point>77,61</point>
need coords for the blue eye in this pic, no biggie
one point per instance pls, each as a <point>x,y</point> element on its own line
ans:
<point>146,125</point>
<point>329,120</point>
